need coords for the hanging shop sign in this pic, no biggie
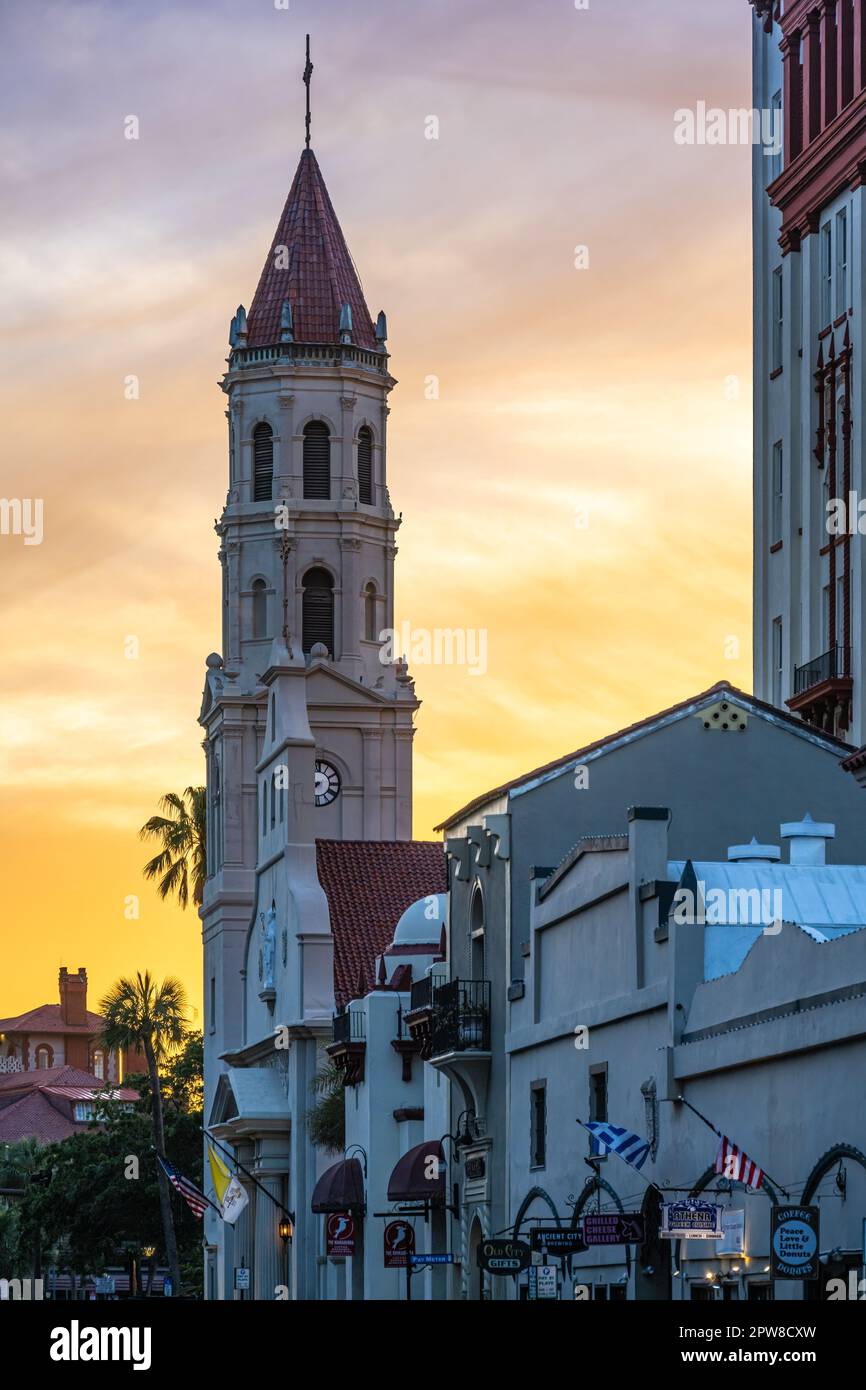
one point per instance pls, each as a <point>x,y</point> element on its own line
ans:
<point>794,1243</point>
<point>399,1244</point>
<point>614,1228</point>
<point>557,1241</point>
<point>542,1281</point>
<point>733,1241</point>
<point>691,1220</point>
<point>504,1256</point>
<point>340,1235</point>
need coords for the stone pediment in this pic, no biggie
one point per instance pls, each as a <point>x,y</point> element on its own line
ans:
<point>326,685</point>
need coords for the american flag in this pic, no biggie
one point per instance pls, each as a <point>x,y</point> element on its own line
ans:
<point>194,1198</point>
<point>733,1163</point>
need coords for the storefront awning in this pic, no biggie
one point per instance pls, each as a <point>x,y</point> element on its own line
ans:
<point>418,1179</point>
<point>340,1188</point>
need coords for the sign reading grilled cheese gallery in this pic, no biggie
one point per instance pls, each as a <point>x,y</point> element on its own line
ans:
<point>691,1220</point>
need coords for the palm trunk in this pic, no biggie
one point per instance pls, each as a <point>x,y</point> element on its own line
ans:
<point>159,1145</point>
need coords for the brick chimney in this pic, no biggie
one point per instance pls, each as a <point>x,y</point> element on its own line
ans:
<point>73,997</point>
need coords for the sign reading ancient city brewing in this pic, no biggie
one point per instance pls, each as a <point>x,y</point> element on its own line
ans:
<point>613,1228</point>
<point>504,1256</point>
<point>691,1220</point>
<point>794,1244</point>
<point>556,1241</point>
<point>399,1244</point>
<point>340,1234</point>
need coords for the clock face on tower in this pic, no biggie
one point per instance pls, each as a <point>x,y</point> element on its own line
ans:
<point>327,783</point>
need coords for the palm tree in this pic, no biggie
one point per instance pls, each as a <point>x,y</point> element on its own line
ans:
<point>141,1014</point>
<point>182,833</point>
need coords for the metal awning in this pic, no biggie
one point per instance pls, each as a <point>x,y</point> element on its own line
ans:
<point>340,1188</point>
<point>412,1179</point>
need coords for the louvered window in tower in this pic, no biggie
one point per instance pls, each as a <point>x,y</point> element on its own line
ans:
<point>365,466</point>
<point>318,610</point>
<point>260,608</point>
<point>317,460</point>
<point>263,463</point>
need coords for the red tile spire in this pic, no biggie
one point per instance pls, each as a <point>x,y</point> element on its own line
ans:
<point>310,266</point>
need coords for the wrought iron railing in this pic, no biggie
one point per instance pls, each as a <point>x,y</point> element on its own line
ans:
<point>421,993</point>
<point>349,1026</point>
<point>835,662</point>
<point>461,1016</point>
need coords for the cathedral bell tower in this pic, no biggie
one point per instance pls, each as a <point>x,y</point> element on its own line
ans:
<point>308,720</point>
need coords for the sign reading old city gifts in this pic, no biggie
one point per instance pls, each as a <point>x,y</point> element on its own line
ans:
<point>504,1256</point>
<point>340,1235</point>
<point>399,1244</point>
<point>691,1220</point>
<point>794,1233</point>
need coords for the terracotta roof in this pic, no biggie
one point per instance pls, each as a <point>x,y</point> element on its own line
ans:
<point>44,1109</point>
<point>320,275</point>
<point>369,884</point>
<point>34,1117</point>
<point>47,1018</point>
<point>644,726</point>
<point>37,1078</point>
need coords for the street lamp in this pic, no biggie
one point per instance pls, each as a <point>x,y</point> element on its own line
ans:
<point>285,1228</point>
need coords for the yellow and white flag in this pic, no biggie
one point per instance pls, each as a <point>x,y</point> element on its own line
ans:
<point>230,1194</point>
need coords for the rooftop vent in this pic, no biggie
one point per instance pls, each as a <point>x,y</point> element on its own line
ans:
<point>808,839</point>
<point>761,854</point>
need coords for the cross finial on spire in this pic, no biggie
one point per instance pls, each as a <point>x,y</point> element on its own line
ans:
<point>308,72</point>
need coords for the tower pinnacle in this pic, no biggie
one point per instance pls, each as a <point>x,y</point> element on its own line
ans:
<point>308,73</point>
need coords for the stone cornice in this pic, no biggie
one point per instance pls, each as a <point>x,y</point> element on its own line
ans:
<point>834,160</point>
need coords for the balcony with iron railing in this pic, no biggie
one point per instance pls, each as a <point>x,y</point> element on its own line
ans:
<point>349,1026</point>
<point>829,665</point>
<point>449,1017</point>
<point>349,1047</point>
<point>461,1017</point>
<point>822,690</point>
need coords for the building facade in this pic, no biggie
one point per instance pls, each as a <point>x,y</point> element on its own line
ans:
<point>664,1011</point>
<point>705,759</point>
<point>809,72</point>
<point>62,1034</point>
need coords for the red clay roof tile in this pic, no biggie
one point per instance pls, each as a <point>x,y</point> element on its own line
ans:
<point>320,275</point>
<point>369,884</point>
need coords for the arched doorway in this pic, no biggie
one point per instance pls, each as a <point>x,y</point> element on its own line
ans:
<point>476,1291</point>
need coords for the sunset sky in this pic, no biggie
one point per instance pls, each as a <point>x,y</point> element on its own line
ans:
<point>621,392</point>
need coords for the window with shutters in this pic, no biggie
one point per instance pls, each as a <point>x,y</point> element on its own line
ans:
<point>318,610</point>
<point>263,463</point>
<point>260,608</point>
<point>365,465</point>
<point>317,460</point>
<point>370,623</point>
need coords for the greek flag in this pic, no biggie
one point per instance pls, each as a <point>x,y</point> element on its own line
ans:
<point>615,1139</point>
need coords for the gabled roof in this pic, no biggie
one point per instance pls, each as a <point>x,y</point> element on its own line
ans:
<point>36,1078</point>
<point>47,1018</point>
<point>369,884</point>
<point>41,1103</point>
<point>723,689</point>
<point>34,1117</point>
<point>314,272</point>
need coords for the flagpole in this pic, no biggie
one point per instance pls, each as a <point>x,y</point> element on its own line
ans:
<point>204,1194</point>
<point>236,1161</point>
<point>682,1101</point>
